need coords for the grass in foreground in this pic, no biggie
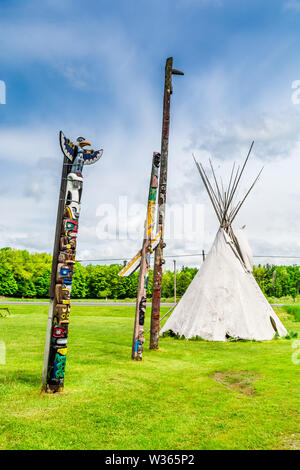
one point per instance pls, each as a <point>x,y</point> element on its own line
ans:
<point>187,395</point>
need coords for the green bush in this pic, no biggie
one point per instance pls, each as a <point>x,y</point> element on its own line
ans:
<point>293,310</point>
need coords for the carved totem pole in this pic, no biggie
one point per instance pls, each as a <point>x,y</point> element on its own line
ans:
<point>142,259</point>
<point>75,156</point>
<point>162,194</point>
<point>138,332</point>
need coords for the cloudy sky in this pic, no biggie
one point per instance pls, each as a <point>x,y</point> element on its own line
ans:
<point>95,68</point>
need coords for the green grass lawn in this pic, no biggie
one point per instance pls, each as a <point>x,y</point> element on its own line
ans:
<point>187,395</point>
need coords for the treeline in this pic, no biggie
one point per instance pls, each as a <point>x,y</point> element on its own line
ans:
<point>278,281</point>
<point>27,275</point>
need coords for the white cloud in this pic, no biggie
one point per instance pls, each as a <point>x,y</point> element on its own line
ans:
<point>292,5</point>
<point>274,135</point>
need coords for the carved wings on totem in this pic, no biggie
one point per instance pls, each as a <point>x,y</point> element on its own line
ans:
<point>70,150</point>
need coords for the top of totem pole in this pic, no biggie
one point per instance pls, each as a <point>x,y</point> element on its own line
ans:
<point>71,150</point>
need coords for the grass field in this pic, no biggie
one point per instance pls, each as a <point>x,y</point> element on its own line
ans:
<point>187,395</point>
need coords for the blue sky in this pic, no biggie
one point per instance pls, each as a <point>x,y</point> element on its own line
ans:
<point>95,68</point>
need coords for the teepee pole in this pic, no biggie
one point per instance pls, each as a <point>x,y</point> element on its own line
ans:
<point>208,190</point>
<point>229,187</point>
<point>244,198</point>
<point>140,310</point>
<point>162,193</point>
<point>221,202</point>
<point>240,175</point>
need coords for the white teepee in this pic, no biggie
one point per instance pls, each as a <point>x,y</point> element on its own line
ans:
<point>224,300</point>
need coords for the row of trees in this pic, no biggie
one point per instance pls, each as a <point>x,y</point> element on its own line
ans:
<point>28,275</point>
<point>278,281</point>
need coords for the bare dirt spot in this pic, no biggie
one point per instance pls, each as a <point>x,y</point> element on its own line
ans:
<point>291,442</point>
<point>238,381</point>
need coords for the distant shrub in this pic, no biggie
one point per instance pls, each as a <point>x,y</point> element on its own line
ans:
<point>293,310</point>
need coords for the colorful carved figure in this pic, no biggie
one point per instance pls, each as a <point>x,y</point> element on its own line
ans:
<point>142,259</point>
<point>75,156</point>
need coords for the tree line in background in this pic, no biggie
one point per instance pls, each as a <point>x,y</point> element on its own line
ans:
<point>27,275</point>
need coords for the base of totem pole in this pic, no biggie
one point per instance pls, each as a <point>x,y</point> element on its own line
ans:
<point>51,389</point>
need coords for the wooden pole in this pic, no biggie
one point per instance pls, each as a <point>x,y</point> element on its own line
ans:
<point>162,193</point>
<point>140,310</point>
<point>174,261</point>
<point>60,213</point>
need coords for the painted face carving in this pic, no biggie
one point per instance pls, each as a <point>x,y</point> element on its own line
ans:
<point>70,228</point>
<point>62,313</point>
<point>64,273</point>
<point>67,243</point>
<point>60,331</point>
<point>60,335</point>
<point>66,256</point>
<point>63,293</point>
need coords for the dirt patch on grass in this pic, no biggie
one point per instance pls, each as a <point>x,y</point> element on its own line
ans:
<point>291,442</point>
<point>238,381</point>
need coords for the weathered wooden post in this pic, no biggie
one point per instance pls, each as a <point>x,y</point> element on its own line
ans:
<point>138,332</point>
<point>162,193</point>
<point>75,156</point>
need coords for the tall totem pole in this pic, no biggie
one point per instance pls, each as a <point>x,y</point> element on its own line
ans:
<point>138,332</point>
<point>75,156</point>
<point>162,193</point>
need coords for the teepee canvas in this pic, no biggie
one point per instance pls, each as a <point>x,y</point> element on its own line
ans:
<point>224,300</point>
